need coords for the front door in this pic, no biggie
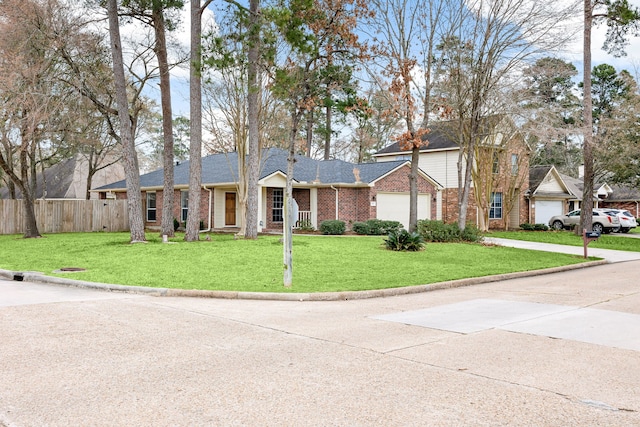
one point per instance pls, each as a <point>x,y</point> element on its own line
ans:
<point>230,209</point>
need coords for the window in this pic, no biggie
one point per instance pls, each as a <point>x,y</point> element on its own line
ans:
<point>495,212</point>
<point>278,205</point>
<point>496,163</point>
<point>514,164</point>
<point>184,205</point>
<point>151,207</point>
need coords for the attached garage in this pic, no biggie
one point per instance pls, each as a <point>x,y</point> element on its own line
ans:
<point>395,207</point>
<point>545,209</point>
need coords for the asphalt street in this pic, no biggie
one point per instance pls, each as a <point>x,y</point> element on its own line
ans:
<point>560,349</point>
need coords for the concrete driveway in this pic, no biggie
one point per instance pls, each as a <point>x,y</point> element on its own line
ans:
<point>550,350</point>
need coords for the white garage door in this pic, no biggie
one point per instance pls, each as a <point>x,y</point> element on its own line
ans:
<point>395,207</point>
<point>545,209</point>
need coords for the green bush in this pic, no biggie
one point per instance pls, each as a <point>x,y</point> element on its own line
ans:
<point>438,231</point>
<point>305,225</point>
<point>333,227</point>
<point>376,227</point>
<point>402,240</point>
<point>360,228</point>
<point>534,227</point>
<point>471,233</point>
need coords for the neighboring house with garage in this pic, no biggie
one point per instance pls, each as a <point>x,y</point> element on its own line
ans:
<point>552,193</point>
<point>323,190</point>
<point>508,170</point>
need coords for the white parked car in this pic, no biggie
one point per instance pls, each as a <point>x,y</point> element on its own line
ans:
<point>601,222</point>
<point>627,220</point>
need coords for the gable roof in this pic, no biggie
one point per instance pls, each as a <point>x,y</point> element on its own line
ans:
<point>442,135</point>
<point>439,139</point>
<point>542,179</point>
<point>220,169</point>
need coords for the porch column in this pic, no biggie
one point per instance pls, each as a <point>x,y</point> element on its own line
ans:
<point>313,196</point>
<point>262,208</point>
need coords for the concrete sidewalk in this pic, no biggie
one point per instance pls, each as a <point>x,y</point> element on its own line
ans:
<point>611,256</point>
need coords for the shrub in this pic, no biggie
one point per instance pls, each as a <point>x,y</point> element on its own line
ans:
<point>402,240</point>
<point>305,225</point>
<point>376,227</point>
<point>534,227</point>
<point>438,231</point>
<point>360,228</point>
<point>471,233</point>
<point>333,227</point>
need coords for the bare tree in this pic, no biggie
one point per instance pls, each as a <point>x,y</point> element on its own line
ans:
<point>407,33</point>
<point>488,41</point>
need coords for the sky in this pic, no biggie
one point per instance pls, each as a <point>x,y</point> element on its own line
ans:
<point>572,53</point>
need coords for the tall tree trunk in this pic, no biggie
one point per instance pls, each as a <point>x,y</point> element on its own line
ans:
<point>134,197</point>
<point>464,196</point>
<point>28,195</point>
<point>587,195</point>
<point>413,190</point>
<point>253,96</point>
<point>327,137</point>
<point>309,132</point>
<point>288,206</point>
<point>195,105</point>
<point>166,223</point>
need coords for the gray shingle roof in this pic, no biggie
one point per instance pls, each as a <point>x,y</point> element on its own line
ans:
<point>223,168</point>
<point>439,139</point>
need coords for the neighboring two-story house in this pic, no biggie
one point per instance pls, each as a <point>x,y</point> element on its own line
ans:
<point>502,161</point>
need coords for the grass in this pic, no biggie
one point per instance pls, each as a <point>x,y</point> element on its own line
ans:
<point>606,241</point>
<point>321,263</point>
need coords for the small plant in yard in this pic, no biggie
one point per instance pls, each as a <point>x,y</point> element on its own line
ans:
<point>305,225</point>
<point>333,227</point>
<point>402,240</point>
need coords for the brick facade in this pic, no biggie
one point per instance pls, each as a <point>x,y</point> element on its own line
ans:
<point>398,181</point>
<point>204,207</point>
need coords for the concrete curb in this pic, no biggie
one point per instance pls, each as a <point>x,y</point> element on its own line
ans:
<point>38,277</point>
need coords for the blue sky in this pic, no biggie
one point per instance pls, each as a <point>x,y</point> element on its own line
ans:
<point>573,53</point>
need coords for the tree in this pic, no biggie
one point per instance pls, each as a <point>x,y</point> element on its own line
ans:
<point>407,33</point>
<point>195,106</point>
<point>616,125</point>
<point>155,14</point>
<point>317,34</point>
<point>487,43</point>
<point>134,197</point>
<point>32,99</point>
<point>621,19</point>
<point>552,112</point>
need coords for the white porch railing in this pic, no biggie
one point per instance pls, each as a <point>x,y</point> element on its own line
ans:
<point>304,219</point>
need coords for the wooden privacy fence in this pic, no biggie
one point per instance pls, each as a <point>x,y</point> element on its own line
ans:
<point>66,216</point>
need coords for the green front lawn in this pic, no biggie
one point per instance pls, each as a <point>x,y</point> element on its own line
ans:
<point>321,263</point>
<point>606,241</point>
